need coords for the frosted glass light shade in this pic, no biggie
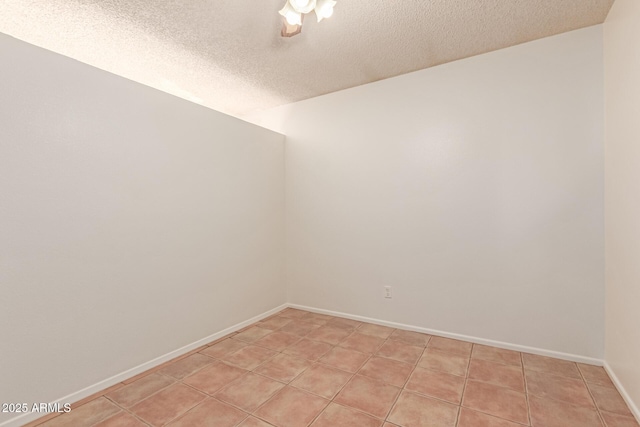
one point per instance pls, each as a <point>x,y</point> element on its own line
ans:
<point>324,9</point>
<point>292,16</point>
<point>303,6</point>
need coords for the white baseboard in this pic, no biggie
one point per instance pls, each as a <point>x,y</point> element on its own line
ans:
<point>499,344</point>
<point>95,388</point>
<point>623,392</point>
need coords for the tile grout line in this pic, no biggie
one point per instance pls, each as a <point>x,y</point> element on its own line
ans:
<point>123,409</point>
<point>466,382</point>
<point>332,400</point>
<point>526,389</point>
<point>386,419</point>
<point>595,404</point>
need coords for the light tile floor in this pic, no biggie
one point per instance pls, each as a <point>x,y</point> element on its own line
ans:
<point>298,369</point>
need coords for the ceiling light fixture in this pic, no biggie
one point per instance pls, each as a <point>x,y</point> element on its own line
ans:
<point>294,11</point>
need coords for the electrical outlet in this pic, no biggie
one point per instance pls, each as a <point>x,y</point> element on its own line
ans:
<point>387,291</point>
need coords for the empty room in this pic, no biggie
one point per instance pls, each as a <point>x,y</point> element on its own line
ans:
<point>320,213</point>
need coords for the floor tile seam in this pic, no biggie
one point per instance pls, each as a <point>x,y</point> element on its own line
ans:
<point>141,400</point>
<point>369,356</point>
<point>257,344</point>
<point>499,365</point>
<point>375,354</point>
<point>180,415</point>
<point>630,416</point>
<point>395,360</point>
<point>319,413</point>
<point>110,416</point>
<point>462,405</point>
<point>233,381</point>
<point>494,416</point>
<point>97,395</point>
<point>332,400</point>
<point>242,420</point>
<point>464,388</point>
<point>188,375</point>
<point>128,410</point>
<point>458,406</point>
<point>595,405</point>
<point>539,396</point>
<point>327,398</point>
<point>458,413</point>
<point>509,389</point>
<point>574,405</point>
<point>42,422</point>
<point>281,351</point>
<point>483,381</point>
<point>336,368</point>
<point>260,419</point>
<point>277,380</point>
<point>403,388</point>
<point>547,372</point>
<point>465,377</point>
<point>356,409</point>
<point>233,405</point>
<point>610,386</point>
<point>204,392</point>
<point>216,341</point>
<point>426,347</point>
<point>593,399</point>
<point>326,342</point>
<point>439,399</point>
<point>496,362</point>
<point>255,367</point>
<point>360,411</point>
<point>448,353</point>
<point>526,389</point>
<point>254,413</point>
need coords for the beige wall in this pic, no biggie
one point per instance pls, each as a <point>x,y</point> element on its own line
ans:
<point>132,223</point>
<point>474,189</point>
<point>622,199</point>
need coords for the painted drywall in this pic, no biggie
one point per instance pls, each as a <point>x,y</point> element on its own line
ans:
<point>132,223</point>
<point>622,194</point>
<point>474,189</point>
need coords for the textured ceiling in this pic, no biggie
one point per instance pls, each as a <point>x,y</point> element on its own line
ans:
<point>228,54</point>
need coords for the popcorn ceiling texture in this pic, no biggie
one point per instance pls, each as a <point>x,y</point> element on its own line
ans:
<point>228,54</point>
